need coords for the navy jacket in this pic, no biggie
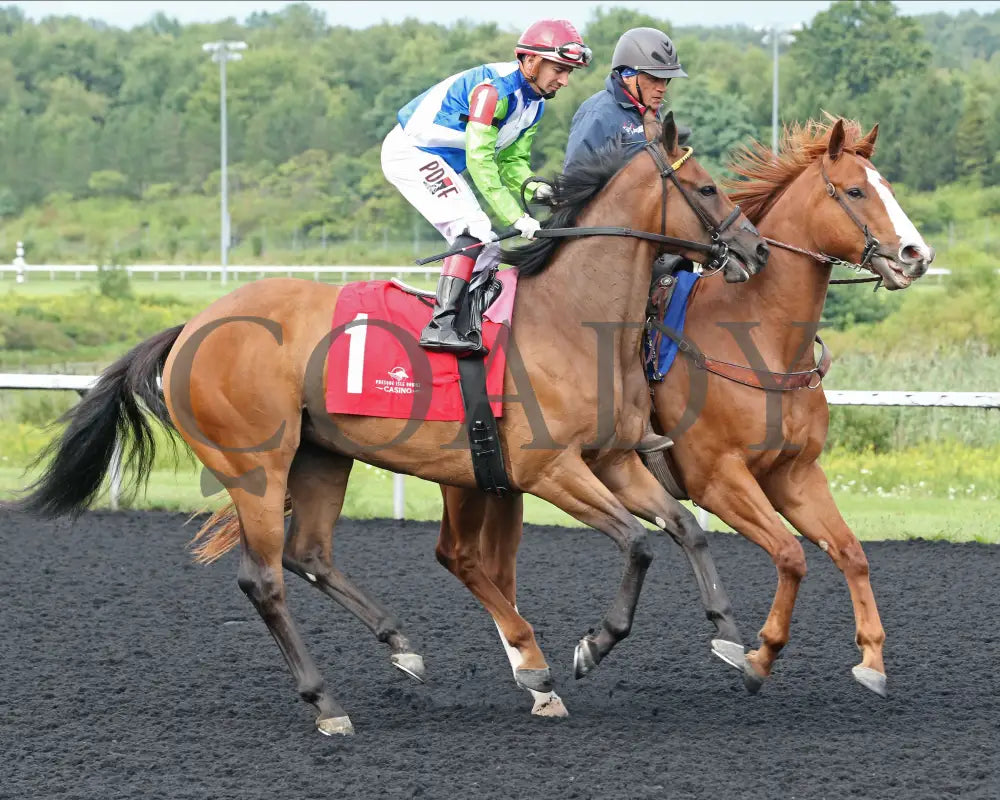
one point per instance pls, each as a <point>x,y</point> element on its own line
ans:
<point>604,116</point>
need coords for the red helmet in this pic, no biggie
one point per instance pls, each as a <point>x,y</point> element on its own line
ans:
<point>555,40</point>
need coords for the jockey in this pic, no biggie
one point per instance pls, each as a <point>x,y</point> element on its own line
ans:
<point>484,120</point>
<point>644,62</point>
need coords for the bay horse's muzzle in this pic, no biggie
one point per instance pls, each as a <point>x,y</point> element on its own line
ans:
<point>746,252</point>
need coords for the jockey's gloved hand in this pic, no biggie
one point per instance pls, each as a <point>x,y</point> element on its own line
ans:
<point>482,230</point>
<point>543,193</point>
<point>528,226</point>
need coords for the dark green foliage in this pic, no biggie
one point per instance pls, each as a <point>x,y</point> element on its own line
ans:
<point>99,115</point>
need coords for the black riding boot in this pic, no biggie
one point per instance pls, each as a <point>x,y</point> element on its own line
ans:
<point>440,333</point>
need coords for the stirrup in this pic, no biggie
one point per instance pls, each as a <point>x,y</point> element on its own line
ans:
<point>653,443</point>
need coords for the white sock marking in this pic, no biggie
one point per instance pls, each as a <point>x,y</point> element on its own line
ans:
<point>514,657</point>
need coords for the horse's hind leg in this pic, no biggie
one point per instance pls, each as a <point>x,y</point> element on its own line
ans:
<point>317,482</point>
<point>262,580</point>
<point>631,487</point>
<point>805,501</point>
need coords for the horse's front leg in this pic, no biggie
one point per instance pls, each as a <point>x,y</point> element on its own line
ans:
<point>459,551</point>
<point>568,483</point>
<point>640,492</point>
<point>499,539</point>
<point>803,497</point>
<point>734,496</point>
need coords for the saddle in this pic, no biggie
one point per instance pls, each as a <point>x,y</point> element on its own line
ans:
<point>481,426</point>
<point>482,292</point>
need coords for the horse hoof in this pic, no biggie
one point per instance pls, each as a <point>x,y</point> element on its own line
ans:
<point>730,652</point>
<point>752,680</point>
<point>871,679</point>
<point>536,680</point>
<point>551,706</point>
<point>410,663</point>
<point>335,726</point>
<point>585,658</point>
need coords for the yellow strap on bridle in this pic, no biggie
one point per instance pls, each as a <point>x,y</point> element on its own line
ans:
<point>688,151</point>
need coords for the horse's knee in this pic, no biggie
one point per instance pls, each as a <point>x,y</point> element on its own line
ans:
<point>791,559</point>
<point>640,548</point>
<point>691,536</point>
<point>444,555</point>
<point>854,562</point>
<point>466,561</point>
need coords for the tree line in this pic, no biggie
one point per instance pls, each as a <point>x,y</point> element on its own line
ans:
<point>92,111</point>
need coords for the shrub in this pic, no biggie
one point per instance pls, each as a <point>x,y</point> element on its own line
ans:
<point>113,281</point>
<point>107,182</point>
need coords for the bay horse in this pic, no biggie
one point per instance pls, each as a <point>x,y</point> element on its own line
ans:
<point>243,384</point>
<point>745,449</point>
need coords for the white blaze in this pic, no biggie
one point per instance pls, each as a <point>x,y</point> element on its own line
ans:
<point>905,230</point>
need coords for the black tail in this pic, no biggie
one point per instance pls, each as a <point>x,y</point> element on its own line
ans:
<point>109,413</point>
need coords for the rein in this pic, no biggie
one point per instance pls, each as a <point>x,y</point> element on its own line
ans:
<point>717,250</point>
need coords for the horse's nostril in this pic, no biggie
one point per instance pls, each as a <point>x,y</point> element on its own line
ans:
<point>911,254</point>
<point>763,252</point>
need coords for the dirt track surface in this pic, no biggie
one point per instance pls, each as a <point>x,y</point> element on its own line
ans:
<point>129,672</point>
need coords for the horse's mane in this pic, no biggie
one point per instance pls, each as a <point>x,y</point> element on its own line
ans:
<point>765,176</point>
<point>571,193</point>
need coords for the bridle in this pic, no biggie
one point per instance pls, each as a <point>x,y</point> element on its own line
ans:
<point>717,251</point>
<point>871,243</point>
<point>720,256</point>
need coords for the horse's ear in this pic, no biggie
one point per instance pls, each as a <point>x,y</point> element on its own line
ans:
<point>669,135</point>
<point>866,147</point>
<point>836,142</point>
<point>651,125</point>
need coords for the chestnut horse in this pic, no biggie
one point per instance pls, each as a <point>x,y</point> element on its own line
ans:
<point>748,453</point>
<point>243,383</point>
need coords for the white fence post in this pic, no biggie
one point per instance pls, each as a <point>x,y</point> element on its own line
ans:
<point>19,276</point>
<point>398,496</point>
<point>703,516</point>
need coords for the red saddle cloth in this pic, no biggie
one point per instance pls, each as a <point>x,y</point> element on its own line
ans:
<point>376,368</point>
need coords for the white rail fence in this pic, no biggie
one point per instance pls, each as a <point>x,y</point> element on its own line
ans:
<point>21,272</point>
<point>81,383</point>
<point>208,271</point>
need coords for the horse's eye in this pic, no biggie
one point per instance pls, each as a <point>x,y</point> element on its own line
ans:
<point>707,191</point>
<point>855,193</point>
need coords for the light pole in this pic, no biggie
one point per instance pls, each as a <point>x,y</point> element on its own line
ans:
<point>222,52</point>
<point>777,36</point>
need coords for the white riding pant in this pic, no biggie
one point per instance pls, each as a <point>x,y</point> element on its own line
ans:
<point>436,191</point>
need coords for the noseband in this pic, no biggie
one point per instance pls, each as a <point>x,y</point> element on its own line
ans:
<point>719,252</point>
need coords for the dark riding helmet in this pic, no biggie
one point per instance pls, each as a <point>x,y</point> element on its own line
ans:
<point>647,50</point>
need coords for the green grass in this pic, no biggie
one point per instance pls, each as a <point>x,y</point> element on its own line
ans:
<point>369,495</point>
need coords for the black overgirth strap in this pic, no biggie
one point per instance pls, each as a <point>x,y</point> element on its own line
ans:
<point>481,426</point>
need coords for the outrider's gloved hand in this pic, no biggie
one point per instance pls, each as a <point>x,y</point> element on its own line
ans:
<point>528,226</point>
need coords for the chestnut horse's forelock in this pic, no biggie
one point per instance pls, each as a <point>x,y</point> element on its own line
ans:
<point>766,175</point>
